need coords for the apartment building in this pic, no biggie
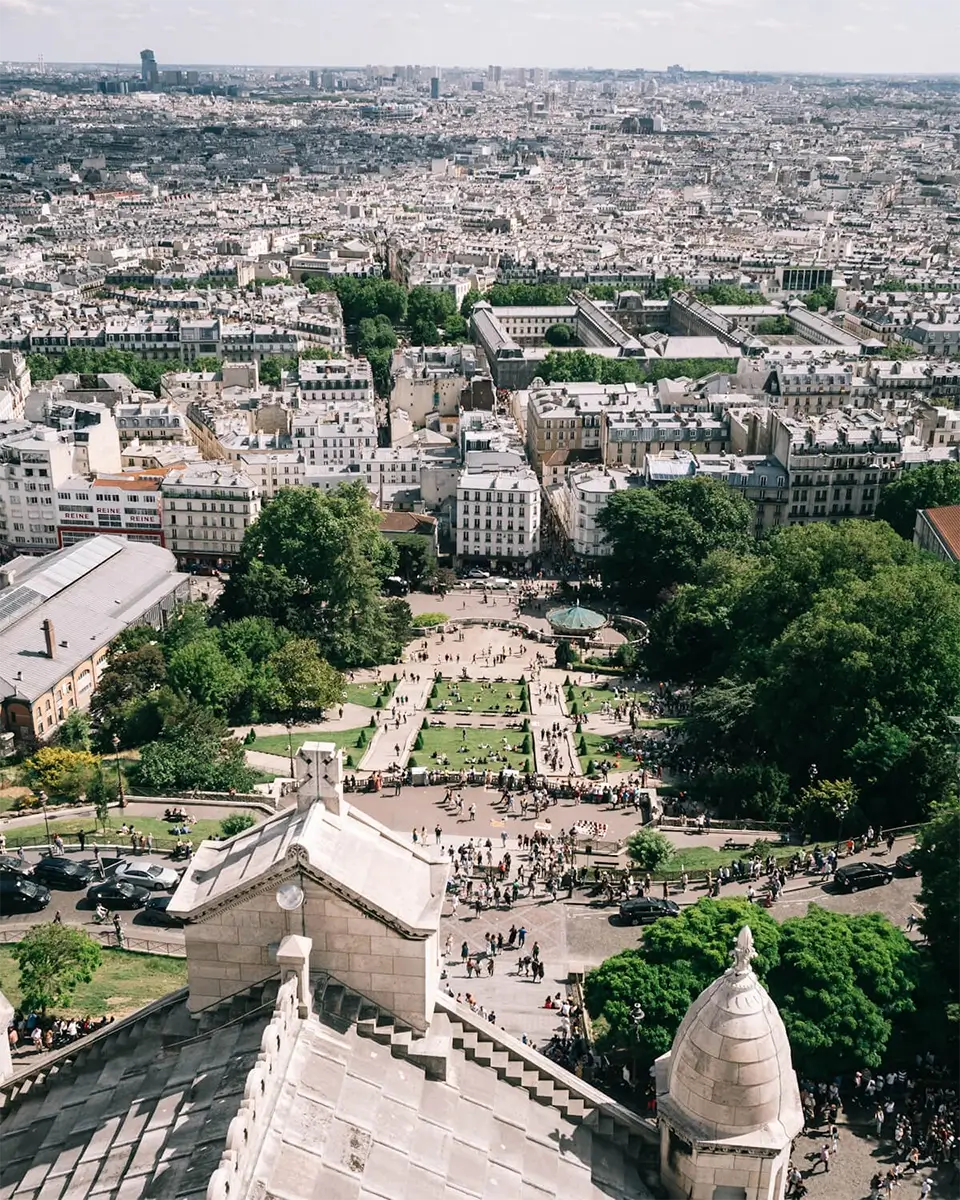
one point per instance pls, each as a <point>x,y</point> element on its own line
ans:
<point>629,435</point>
<point>34,462</point>
<point>335,379</point>
<point>938,532</point>
<point>126,506</point>
<point>836,463</point>
<point>577,502</point>
<point>335,431</point>
<point>563,423</point>
<point>498,516</point>
<point>817,387</point>
<point>274,470</point>
<point>759,478</point>
<point>151,421</point>
<point>939,339</point>
<point>207,508</point>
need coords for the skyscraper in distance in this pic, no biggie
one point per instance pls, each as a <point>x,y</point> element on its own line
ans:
<point>148,68</point>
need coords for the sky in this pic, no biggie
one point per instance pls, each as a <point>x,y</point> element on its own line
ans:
<point>837,36</point>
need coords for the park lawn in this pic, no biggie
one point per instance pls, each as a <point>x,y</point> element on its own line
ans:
<point>277,743</point>
<point>35,834</point>
<point>590,698</point>
<point>473,751</point>
<point>463,695</point>
<point>597,744</point>
<point>124,982</point>
<point>367,694</point>
<point>661,722</point>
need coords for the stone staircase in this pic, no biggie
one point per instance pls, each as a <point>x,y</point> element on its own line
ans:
<point>456,1027</point>
<point>339,1007</point>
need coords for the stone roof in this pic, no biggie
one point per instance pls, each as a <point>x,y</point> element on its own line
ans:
<point>360,858</point>
<point>730,1074</point>
<point>335,1102</point>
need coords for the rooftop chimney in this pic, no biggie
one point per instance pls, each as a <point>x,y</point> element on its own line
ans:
<point>49,637</point>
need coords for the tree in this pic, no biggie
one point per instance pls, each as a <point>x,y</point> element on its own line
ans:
<point>650,849</point>
<point>775,325</point>
<point>730,294</point>
<point>74,733</point>
<point>375,333</point>
<point>825,805</point>
<point>182,761</point>
<point>306,680</point>
<point>660,536</point>
<point>53,959</point>
<point>101,793</point>
<point>314,562</point>
<point>236,823</point>
<point>415,558</point>
<point>840,983</point>
<point>938,859</point>
<point>203,672</point>
<point>427,310</point>
<point>899,352</point>
<point>935,485</point>
<point>559,335</point>
<point>60,772</point>
<point>821,297</point>
<point>468,303</point>
<point>122,702</point>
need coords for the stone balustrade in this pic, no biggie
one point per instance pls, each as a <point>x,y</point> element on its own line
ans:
<point>248,1128</point>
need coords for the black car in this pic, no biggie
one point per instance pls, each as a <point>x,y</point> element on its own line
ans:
<point>646,909</point>
<point>117,894</point>
<point>12,864</point>
<point>155,912</point>
<point>58,872</point>
<point>19,895</point>
<point>907,864</point>
<point>862,875</point>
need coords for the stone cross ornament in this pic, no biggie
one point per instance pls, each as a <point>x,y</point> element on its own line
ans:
<point>743,951</point>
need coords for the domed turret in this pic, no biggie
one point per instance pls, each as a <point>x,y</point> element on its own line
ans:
<point>728,1087</point>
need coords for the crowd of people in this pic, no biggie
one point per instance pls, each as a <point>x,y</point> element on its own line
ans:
<point>31,1031</point>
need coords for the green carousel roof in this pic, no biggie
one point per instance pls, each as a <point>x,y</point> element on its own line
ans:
<point>575,619</point>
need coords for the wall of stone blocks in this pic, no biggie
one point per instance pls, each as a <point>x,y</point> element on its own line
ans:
<point>696,1177</point>
<point>235,949</point>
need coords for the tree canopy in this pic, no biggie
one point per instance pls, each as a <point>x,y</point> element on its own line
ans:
<point>938,858</point>
<point>841,982</point>
<point>314,563</point>
<point>660,536</point>
<point>578,366</point>
<point>934,485</point>
<point>53,959</point>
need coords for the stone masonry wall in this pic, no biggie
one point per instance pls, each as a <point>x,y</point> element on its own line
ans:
<point>236,948</point>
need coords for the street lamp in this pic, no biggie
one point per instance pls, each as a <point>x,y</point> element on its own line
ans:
<point>290,746</point>
<point>42,797</point>
<point>116,751</point>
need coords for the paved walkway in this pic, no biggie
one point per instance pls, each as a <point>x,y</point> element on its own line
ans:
<point>409,704</point>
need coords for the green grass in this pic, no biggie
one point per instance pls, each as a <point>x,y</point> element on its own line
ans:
<point>35,833</point>
<point>474,750</point>
<point>465,696</point>
<point>592,697</point>
<point>345,739</point>
<point>599,747</point>
<point>367,693</point>
<point>124,982</point>
<point>661,722</point>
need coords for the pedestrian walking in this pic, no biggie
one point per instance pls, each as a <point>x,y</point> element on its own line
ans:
<point>448,947</point>
<point>521,936</point>
<point>464,952</point>
<point>823,1157</point>
<point>118,929</point>
<point>82,839</point>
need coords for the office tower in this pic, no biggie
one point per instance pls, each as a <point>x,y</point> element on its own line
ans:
<point>435,88</point>
<point>314,80</point>
<point>148,68</point>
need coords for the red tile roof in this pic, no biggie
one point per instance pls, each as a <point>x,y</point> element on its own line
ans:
<point>946,521</point>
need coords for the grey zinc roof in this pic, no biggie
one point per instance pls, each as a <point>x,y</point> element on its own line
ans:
<point>90,592</point>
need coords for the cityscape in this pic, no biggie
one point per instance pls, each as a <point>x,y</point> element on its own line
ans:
<point>480,620</point>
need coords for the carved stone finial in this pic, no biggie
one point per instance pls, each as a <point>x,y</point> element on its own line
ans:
<point>743,951</point>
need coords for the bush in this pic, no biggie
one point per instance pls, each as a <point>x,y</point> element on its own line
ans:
<point>649,848</point>
<point>574,709</point>
<point>379,704</point>
<point>579,727</point>
<point>373,723</point>
<point>418,744</point>
<point>349,761</point>
<point>526,767</point>
<point>236,823</point>
<point>565,655</point>
<point>582,745</point>
<point>412,762</point>
<point>526,744</point>
<point>361,740</point>
<point>430,619</point>
<point>250,738</point>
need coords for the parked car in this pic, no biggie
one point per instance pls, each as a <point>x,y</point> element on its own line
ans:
<point>646,909</point>
<point>395,585</point>
<point>19,895</point>
<point>13,864</point>
<point>478,573</point>
<point>56,871</point>
<point>145,874</point>
<point>907,864</point>
<point>155,912</point>
<point>862,875</point>
<point>115,893</point>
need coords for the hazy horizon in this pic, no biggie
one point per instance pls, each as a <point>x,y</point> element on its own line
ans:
<point>864,37</point>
